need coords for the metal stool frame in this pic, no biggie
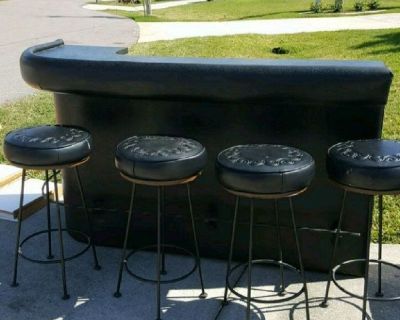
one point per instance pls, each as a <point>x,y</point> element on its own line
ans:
<point>50,256</point>
<point>160,265</point>
<point>379,296</point>
<point>250,261</point>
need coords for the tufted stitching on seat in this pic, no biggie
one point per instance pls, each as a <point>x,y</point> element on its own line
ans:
<point>68,137</point>
<point>235,155</point>
<point>171,147</point>
<point>347,149</point>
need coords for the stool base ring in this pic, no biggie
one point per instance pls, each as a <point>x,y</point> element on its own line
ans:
<point>133,252</point>
<point>369,298</point>
<point>266,262</point>
<point>53,261</point>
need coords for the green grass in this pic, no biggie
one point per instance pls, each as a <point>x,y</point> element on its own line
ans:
<point>221,10</point>
<point>381,45</point>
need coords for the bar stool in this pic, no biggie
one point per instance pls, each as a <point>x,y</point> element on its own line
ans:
<point>49,148</point>
<point>263,171</point>
<point>370,167</point>
<point>160,161</point>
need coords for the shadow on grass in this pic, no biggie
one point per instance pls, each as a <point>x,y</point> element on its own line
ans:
<point>271,14</point>
<point>389,8</point>
<point>382,44</point>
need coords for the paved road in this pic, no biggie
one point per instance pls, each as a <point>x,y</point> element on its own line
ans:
<point>24,23</point>
<point>154,31</point>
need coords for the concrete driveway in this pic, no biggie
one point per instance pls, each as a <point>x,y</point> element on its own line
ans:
<point>38,296</point>
<point>25,23</point>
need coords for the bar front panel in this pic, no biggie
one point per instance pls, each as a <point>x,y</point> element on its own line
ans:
<point>312,128</point>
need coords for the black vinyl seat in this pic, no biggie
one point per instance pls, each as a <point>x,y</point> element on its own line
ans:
<point>49,145</point>
<point>366,164</point>
<point>368,167</point>
<point>264,168</point>
<point>160,158</point>
<point>50,148</point>
<point>265,172</point>
<point>160,162</point>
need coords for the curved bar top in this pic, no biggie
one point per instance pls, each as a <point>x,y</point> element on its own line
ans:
<point>308,104</point>
<point>107,71</point>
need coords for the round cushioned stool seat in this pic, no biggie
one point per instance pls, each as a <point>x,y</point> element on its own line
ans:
<point>47,146</point>
<point>265,169</point>
<point>366,164</point>
<point>160,158</point>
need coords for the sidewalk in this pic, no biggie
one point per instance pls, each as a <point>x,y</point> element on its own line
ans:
<point>154,31</point>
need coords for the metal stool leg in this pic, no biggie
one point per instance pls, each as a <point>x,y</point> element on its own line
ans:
<point>249,264</point>
<point>203,294</point>
<point>158,267</point>
<point>278,230</point>
<point>366,273</point>
<point>225,301</point>
<point>21,204</point>
<point>163,221</point>
<point>332,262</point>
<point>61,240</point>
<point>89,220</point>
<point>117,293</point>
<point>50,253</point>
<point>300,258</point>
<point>379,293</point>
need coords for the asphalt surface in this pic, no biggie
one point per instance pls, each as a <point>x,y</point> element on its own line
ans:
<point>26,23</point>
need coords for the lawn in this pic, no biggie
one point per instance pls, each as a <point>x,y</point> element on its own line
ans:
<point>381,45</point>
<point>220,10</point>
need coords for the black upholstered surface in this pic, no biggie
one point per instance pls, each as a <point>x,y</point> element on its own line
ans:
<point>366,164</point>
<point>47,146</point>
<point>105,70</point>
<point>264,168</point>
<point>160,158</point>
